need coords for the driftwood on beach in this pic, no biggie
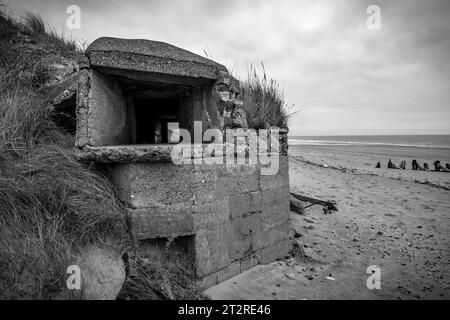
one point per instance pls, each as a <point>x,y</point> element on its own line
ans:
<point>298,207</point>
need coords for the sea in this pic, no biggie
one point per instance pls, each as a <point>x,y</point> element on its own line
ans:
<point>429,147</point>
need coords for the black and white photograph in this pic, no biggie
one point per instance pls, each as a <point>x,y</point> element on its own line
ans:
<point>213,153</point>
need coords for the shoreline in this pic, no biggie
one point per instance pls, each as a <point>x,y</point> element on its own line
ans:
<point>355,171</point>
<point>363,161</point>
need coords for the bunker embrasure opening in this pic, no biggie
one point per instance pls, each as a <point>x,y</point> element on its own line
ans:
<point>136,109</point>
<point>152,119</point>
<point>152,107</point>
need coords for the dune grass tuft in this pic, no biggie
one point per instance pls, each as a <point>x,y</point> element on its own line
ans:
<point>34,23</point>
<point>35,26</point>
<point>26,44</point>
<point>264,101</point>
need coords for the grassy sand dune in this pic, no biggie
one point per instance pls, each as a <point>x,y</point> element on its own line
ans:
<point>51,206</point>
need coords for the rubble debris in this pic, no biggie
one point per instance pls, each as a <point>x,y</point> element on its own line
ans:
<point>290,276</point>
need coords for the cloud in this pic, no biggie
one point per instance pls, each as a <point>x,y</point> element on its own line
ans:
<point>341,76</point>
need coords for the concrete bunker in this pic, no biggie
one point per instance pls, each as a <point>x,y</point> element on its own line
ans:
<point>226,219</point>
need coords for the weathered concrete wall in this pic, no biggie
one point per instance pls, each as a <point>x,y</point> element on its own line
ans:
<point>215,105</point>
<point>238,216</point>
<point>227,105</point>
<point>104,114</point>
<point>257,231</point>
<point>190,109</point>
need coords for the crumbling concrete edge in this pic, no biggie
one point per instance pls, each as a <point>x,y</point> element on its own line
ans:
<point>82,108</point>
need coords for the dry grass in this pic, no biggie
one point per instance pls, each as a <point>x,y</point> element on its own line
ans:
<point>26,45</point>
<point>264,101</point>
<point>8,27</point>
<point>34,25</point>
<point>171,279</point>
<point>50,205</point>
<point>24,121</point>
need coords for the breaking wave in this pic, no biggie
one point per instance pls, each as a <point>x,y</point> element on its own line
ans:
<point>360,143</point>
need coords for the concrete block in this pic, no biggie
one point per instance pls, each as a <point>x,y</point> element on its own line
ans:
<point>242,235</point>
<point>229,271</point>
<point>143,185</point>
<point>279,233</point>
<point>212,248</point>
<point>279,197</point>
<point>147,225</point>
<point>210,214</point>
<point>284,247</point>
<point>260,239</point>
<point>256,201</point>
<point>207,281</point>
<point>275,207</point>
<point>269,254</point>
<point>244,204</point>
<point>269,221</point>
<point>240,247</point>
<point>249,261</point>
<point>278,180</point>
<point>249,224</point>
<point>276,251</point>
<point>236,179</point>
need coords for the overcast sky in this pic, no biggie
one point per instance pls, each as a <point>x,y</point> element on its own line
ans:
<point>342,77</point>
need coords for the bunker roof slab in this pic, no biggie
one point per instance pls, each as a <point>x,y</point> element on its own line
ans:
<point>138,55</point>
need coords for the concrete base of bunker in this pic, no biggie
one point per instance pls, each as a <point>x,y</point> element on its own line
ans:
<point>233,218</point>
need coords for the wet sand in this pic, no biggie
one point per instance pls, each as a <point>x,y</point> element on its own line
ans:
<point>397,220</point>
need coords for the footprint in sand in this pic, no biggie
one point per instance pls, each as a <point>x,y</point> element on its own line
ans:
<point>389,215</point>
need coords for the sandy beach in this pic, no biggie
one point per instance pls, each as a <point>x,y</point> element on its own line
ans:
<point>398,220</point>
<point>395,219</point>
